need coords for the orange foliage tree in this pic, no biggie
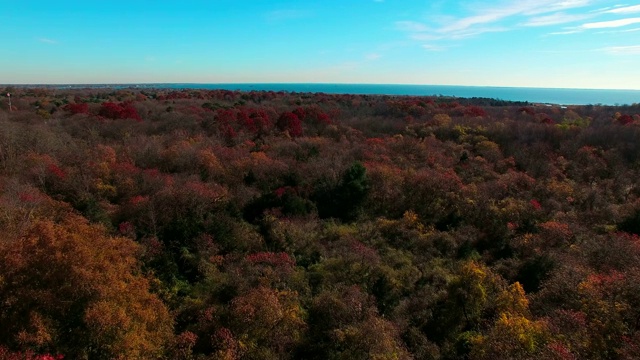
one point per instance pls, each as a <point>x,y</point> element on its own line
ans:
<point>71,289</point>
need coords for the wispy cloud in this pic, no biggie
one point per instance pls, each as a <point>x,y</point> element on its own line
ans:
<point>624,10</point>
<point>549,6</point>
<point>505,15</point>
<point>565,32</point>
<point>611,23</point>
<point>556,19</point>
<point>469,33</point>
<point>523,8</point>
<point>622,50</point>
<point>494,18</point>
<point>618,31</point>
<point>47,41</point>
<point>419,36</point>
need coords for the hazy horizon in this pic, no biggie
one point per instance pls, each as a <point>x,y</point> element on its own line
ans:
<point>308,83</point>
<point>576,44</point>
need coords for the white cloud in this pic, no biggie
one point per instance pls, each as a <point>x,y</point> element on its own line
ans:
<point>567,32</point>
<point>505,10</point>
<point>624,50</point>
<point>554,5</point>
<point>625,10</point>
<point>505,15</point>
<point>611,23</point>
<point>425,37</point>
<point>618,31</point>
<point>468,33</point>
<point>555,19</point>
<point>489,18</point>
<point>485,16</point>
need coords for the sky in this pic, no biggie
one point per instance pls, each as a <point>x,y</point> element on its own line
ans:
<point>522,43</point>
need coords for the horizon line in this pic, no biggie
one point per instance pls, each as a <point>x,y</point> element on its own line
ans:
<point>308,83</point>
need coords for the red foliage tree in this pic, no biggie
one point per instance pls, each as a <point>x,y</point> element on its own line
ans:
<point>55,170</point>
<point>290,122</point>
<point>77,108</point>
<point>300,113</point>
<point>261,120</point>
<point>625,119</point>
<point>226,116</point>
<point>474,111</point>
<point>114,111</point>
<point>6,354</point>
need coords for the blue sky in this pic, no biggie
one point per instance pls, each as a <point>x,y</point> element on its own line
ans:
<point>539,43</point>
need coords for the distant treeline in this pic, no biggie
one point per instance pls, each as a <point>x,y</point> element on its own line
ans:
<point>144,223</point>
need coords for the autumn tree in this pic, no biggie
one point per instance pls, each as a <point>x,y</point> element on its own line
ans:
<point>345,325</point>
<point>124,110</point>
<point>291,123</point>
<point>69,288</point>
<point>514,334</point>
<point>77,108</point>
<point>268,323</point>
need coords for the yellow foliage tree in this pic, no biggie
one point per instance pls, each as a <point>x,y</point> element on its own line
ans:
<point>513,335</point>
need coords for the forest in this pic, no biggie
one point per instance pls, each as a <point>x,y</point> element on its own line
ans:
<point>215,224</point>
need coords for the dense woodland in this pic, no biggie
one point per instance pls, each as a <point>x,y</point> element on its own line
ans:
<point>150,224</point>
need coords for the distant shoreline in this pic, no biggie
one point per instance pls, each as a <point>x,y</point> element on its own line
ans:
<point>557,96</point>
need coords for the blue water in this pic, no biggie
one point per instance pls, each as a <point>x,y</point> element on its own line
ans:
<point>533,95</point>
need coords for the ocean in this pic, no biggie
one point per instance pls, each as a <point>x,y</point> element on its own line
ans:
<point>532,95</point>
